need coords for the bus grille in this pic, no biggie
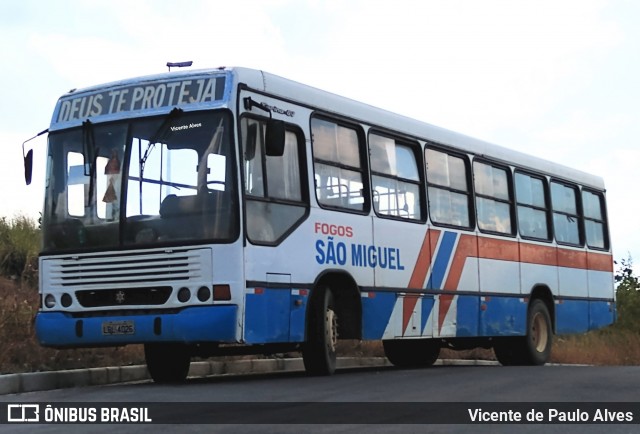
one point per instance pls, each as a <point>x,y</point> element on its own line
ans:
<point>120,271</point>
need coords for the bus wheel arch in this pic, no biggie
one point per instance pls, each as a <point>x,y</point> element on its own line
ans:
<point>542,292</point>
<point>534,348</point>
<point>333,313</point>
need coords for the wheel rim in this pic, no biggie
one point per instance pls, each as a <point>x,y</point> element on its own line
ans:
<point>539,332</point>
<point>331,329</point>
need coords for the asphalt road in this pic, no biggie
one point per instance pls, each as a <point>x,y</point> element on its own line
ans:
<point>386,398</point>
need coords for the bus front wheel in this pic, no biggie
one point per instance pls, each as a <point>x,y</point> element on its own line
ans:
<point>319,350</point>
<point>167,363</point>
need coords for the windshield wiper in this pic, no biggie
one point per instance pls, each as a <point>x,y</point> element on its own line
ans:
<point>158,136</point>
<point>155,138</point>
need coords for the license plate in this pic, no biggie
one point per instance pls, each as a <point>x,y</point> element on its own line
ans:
<point>118,328</point>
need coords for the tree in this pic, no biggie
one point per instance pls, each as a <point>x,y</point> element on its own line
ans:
<point>627,296</point>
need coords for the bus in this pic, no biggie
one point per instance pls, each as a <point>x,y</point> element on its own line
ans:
<point>232,211</point>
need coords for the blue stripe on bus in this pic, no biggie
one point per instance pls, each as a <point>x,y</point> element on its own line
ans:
<point>441,263</point>
<point>572,316</point>
<point>502,316</point>
<point>601,314</point>
<point>376,312</point>
<point>427,308</point>
<point>274,315</point>
<point>468,308</point>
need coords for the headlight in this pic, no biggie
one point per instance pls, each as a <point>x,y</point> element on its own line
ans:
<point>50,301</point>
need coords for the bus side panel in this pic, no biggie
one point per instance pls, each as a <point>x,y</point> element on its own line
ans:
<point>572,316</point>
<point>600,275</point>
<point>503,316</point>
<point>297,324</point>
<point>379,314</point>
<point>468,316</point>
<point>572,273</point>
<point>499,265</point>
<point>390,315</point>
<point>539,267</point>
<point>267,315</point>
<point>601,314</point>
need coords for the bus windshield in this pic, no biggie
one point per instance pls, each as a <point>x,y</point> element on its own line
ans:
<point>144,181</point>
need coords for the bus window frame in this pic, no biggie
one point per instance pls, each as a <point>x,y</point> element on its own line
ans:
<point>548,210</point>
<point>510,193</point>
<point>364,169</point>
<point>580,215</point>
<point>469,181</point>
<point>303,174</point>
<point>418,155</point>
<point>604,221</point>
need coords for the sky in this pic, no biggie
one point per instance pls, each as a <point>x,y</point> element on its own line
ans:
<point>557,79</point>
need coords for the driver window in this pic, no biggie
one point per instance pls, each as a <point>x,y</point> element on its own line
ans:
<point>273,184</point>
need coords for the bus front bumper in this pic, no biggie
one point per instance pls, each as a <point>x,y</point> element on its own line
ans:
<point>190,325</point>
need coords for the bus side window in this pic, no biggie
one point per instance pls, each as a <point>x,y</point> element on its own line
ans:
<point>337,162</point>
<point>448,189</point>
<point>395,178</point>
<point>493,198</point>
<point>566,219</point>
<point>594,221</point>
<point>532,206</point>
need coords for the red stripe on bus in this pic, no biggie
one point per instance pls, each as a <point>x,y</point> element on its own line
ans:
<point>419,274</point>
<point>572,258</point>
<point>600,262</point>
<point>467,248</point>
<point>503,250</point>
<point>536,254</point>
<point>424,259</point>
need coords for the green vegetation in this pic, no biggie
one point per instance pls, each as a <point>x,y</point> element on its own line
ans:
<point>628,298</point>
<point>20,243</point>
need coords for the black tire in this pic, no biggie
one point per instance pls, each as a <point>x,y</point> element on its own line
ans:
<point>532,349</point>
<point>412,353</point>
<point>167,363</point>
<point>537,345</point>
<point>508,351</point>
<point>319,350</point>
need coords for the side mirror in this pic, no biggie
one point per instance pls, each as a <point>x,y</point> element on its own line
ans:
<point>275,138</point>
<point>28,158</point>
<point>28,166</point>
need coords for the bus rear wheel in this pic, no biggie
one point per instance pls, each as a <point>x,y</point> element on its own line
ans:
<point>166,362</point>
<point>319,350</point>
<point>412,353</point>
<point>535,347</point>
<point>539,334</point>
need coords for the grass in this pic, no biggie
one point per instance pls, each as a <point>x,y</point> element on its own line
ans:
<point>610,346</point>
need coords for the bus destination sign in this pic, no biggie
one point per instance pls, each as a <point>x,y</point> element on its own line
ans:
<point>141,96</point>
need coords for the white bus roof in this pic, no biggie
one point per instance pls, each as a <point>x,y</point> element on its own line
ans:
<point>373,116</point>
